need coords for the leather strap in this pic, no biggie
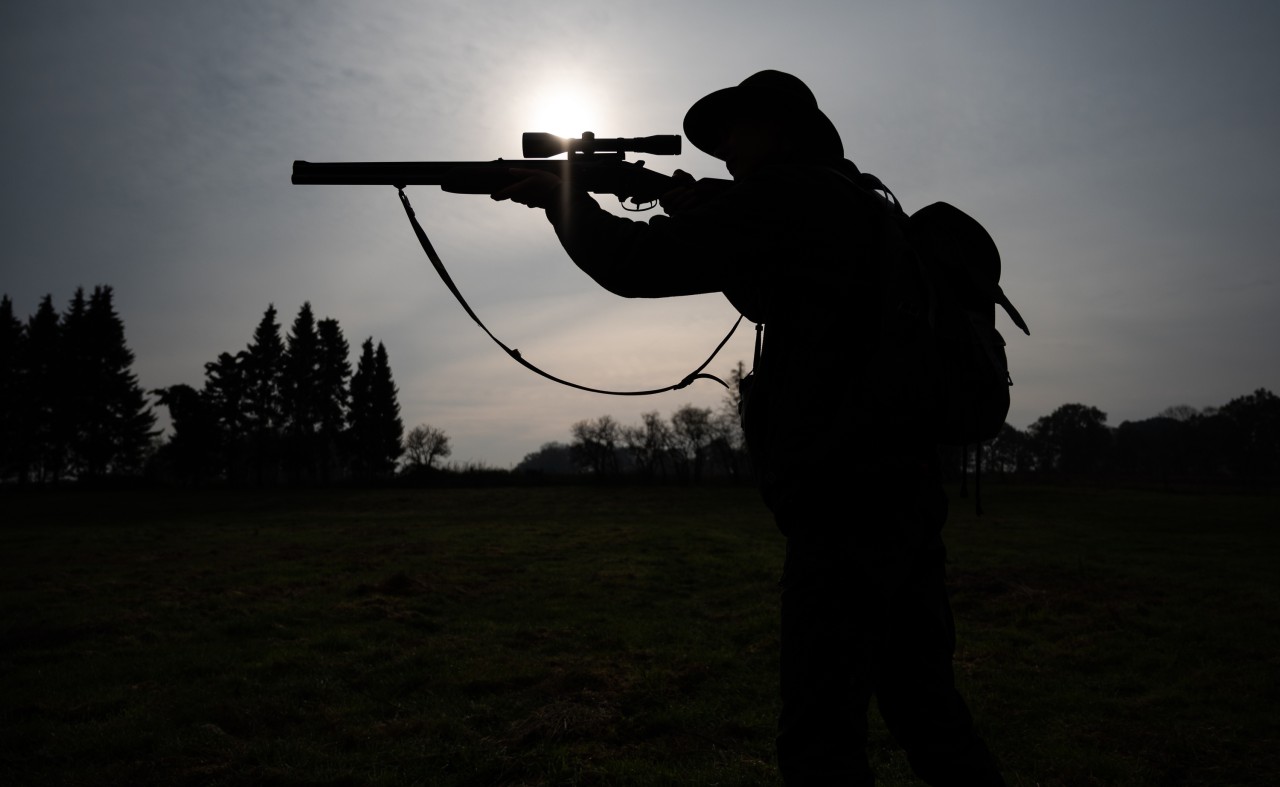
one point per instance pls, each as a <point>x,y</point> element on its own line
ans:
<point>438,264</point>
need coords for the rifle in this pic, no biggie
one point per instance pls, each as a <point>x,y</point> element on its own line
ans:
<point>595,165</point>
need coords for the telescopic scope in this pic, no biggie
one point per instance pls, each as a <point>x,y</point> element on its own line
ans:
<point>538,144</point>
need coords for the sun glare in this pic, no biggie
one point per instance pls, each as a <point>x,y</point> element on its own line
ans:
<point>564,112</point>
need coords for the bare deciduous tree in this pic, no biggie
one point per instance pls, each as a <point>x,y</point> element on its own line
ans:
<point>424,445</point>
<point>693,432</point>
<point>649,444</point>
<point>595,445</point>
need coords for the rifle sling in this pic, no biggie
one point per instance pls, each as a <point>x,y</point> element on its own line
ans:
<point>438,264</point>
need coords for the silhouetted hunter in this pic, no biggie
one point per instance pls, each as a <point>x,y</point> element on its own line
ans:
<point>797,241</point>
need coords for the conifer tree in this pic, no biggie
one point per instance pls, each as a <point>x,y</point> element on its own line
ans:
<point>263,369</point>
<point>301,394</point>
<point>333,374</point>
<point>43,449</point>
<point>112,420</point>
<point>375,427</point>
<point>360,418</point>
<point>12,387</point>
<point>66,400</point>
<point>132,418</point>
<point>75,392</point>
<point>225,392</point>
<point>386,398</point>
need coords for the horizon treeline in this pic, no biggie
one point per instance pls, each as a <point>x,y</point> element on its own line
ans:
<point>693,444</point>
<point>291,409</point>
<point>1237,443</point>
<point>286,409</point>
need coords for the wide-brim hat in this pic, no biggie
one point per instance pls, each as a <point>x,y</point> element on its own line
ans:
<point>771,94</point>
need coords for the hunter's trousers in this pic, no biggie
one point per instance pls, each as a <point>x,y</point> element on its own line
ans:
<point>867,614</point>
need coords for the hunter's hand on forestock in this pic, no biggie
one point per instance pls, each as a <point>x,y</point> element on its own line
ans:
<point>690,193</point>
<point>534,188</point>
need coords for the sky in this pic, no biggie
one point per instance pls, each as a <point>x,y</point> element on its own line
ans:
<point>1123,155</point>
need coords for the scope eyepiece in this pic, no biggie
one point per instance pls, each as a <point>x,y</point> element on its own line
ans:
<point>538,144</point>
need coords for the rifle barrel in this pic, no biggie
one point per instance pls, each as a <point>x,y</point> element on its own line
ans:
<point>371,173</point>
<point>613,176</point>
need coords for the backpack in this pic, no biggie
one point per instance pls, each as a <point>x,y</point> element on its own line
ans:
<point>943,362</point>
<point>960,268</point>
<point>941,372</point>
<point>942,369</point>
<point>946,359</point>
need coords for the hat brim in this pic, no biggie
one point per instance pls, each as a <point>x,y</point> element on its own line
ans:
<point>708,121</point>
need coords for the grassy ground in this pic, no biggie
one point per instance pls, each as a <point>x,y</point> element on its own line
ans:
<point>600,636</point>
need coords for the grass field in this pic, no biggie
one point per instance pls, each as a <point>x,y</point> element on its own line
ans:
<point>600,636</point>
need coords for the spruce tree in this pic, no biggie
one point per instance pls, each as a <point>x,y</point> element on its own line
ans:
<point>360,418</point>
<point>75,393</point>
<point>42,447</point>
<point>263,367</point>
<point>333,373</point>
<point>387,402</point>
<point>112,420</point>
<point>300,394</point>
<point>375,427</point>
<point>12,386</point>
<point>225,392</point>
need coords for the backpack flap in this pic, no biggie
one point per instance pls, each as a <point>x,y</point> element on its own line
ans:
<point>999,297</point>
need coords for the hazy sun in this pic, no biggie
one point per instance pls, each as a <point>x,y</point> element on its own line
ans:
<point>563,111</point>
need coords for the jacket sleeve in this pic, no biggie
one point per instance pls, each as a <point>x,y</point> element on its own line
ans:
<point>720,247</point>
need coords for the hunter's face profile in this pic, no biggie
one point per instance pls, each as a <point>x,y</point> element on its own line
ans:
<point>750,142</point>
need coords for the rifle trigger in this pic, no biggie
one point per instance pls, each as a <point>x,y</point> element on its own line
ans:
<point>640,207</point>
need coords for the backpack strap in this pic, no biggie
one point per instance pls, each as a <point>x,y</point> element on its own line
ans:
<point>865,181</point>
